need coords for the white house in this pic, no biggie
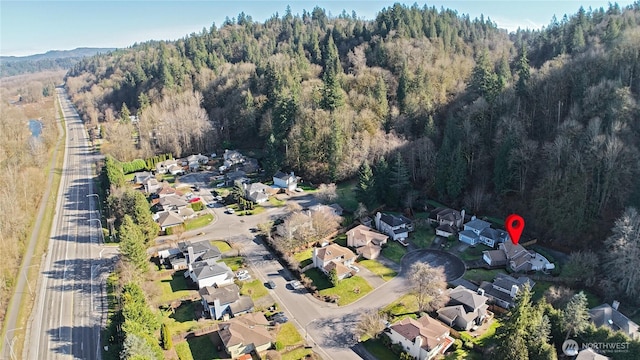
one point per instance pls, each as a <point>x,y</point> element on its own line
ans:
<point>167,219</point>
<point>257,192</point>
<point>285,181</point>
<point>209,273</point>
<point>424,339</point>
<point>334,256</point>
<point>397,227</point>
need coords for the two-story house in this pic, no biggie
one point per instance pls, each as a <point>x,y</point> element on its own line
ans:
<point>396,226</point>
<point>609,316</point>
<point>517,258</point>
<point>334,256</point>
<point>504,289</point>
<point>257,192</point>
<point>224,301</point>
<point>464,310</point>
<point>447,221</point>
<point>479,231</point>
<point>367,242</point>
<point>424,339</point>
<point>245,334</point>
<point>285,181</point>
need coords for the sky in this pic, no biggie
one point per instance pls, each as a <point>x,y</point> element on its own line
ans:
<point>33,27</point>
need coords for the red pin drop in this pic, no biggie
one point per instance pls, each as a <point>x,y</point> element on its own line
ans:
<point>514,225</point>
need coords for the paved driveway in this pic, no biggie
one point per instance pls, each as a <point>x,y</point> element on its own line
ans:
<point>453,266</point>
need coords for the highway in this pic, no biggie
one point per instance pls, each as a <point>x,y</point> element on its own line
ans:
<point>70,304</point>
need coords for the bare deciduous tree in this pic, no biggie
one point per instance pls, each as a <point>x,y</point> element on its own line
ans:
<point>370,324</point>
<point>327,193</point>
<point>429,286</point>
<point>622,261</point>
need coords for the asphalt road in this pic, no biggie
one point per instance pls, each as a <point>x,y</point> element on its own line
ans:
<point>71,302</point>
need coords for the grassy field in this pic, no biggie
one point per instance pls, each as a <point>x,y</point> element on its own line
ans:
<point>479,275</point>
<point>423,236</point>
<point>348,290</point>
<point>276,202</point>
<point>198,222</point>
<point>234,263</point>
<point>539,289</point>
<point>174,287</point>
<point>347,195</point>
<point>182,320</point>
<point>406,305</point>
<point>296,354</point>
<point>304,257</point>
<point>222,245</point>
<point>378,350</point>
<point>202,348</point>
<point>289,335</point>
<point>463,354</point>
<point>394,251</point>
<point>377,268</point>
<point>254,288</point>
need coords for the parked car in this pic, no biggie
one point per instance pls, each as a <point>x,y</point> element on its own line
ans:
<point>194,199</point>
<point>211,205</point>
<point>279,318</point>
<point>296,285</point>
<point>271,284</point>
<point>230,211</point>
<point>354,268</point>
<point>244,277</point>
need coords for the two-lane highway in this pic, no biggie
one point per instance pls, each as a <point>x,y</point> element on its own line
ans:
<point>67,317</point>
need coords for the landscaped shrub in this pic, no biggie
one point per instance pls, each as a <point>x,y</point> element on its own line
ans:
<point>167,343</point>
<point>279,345</point>
<point>197,206</point>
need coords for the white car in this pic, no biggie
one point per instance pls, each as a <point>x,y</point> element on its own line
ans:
<point>354,268</point>
<point>230,211</point>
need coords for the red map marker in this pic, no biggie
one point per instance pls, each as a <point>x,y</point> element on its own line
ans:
<point>514,225</point>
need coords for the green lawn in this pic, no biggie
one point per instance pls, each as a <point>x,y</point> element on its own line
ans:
<point>539,289</point>
<point>222,245</point>
<point>347,195</point>
<point>379,269</point>
<point>344,289</point>
<point>289,335</point>
<point>435,203</point>
<point>394,251</point>
<point>406,305</point>
<point>304,257</point>
<point>254,288</point>
<point>234,263</point>
<point>485,339</point>
<point>341,240</point>
<point>378,350</point>
<point>473,253</point>
<point>129,177</point>
<point>463,354</point>
<point>182,320</point>
<point>198,222</point>
<point>423,236</point>
<point>174,287</point>
<point>479,275</point>
<point>202,348</point>
<point>255,211</point>
<point>276,202</point>
<point>183,351</point>
<point>169,178</point>
<point>297,354</point>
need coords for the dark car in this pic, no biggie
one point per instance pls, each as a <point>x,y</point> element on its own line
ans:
<point>268,257</point>
<point>279,318</point>
<point>271,284</point>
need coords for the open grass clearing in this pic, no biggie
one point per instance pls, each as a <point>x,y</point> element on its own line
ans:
<point>378,350</point>
<point>254,288</point>
<point>480,275</point>
<point>304,257</point>
<point>539,289</point>
<point>423,236</point>
<point>404,306</point>
<point>347,195</point>
<point>394,251</point>
<point>202,348</point>
<point>234,263</point>
<point>348,290</point>
<point>379,269</point>
<point>174,287</point>
<point>182,320</point>
<point>289,335</point>
<point>474,253</point>
<point>222,245</point>
<point>198,222</point>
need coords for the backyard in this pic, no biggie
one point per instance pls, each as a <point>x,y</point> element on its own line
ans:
<point>377,268</point>
<point>347,196</point>
<point>394,251</point>
<point>348,290</point>
<point>480,275</point>
<point>304,257</point>
<point>174,286</point>
<point>197,348</point>
<point>182,319</point>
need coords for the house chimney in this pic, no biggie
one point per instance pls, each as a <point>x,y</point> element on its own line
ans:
<point>419,341</point>
<point>615,304</point>
<point>481,291</point>
<point>461,218</point>
<point>378,215</point>
<point>514,291</point>
<point>473,218</point>
<point>190,255</point>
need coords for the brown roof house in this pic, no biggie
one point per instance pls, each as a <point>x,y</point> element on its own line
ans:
<point>245,334</point>
<point>367,242</point>
<point>609,316</point>
<point>465,309</point>
<point>424,339</point>
<point>332,257</point>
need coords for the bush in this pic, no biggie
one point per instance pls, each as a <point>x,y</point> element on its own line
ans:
<point>397,349</point>
<point>279,345</point>
<point>196,206</point>
<point>165,334</point>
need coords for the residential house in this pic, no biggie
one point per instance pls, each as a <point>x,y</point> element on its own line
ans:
<point>464,310</point>
<point>334,256</point>
<point>225,301</point>
<point>424,339</point>
<point>367,242</point>
<point>516,257</point>
<point>285,181</point>
<point>238,176</point>
<point>448,221</point>
<point>210,273</point>
<point>167,219</point>
<point>589,354</point>
<point>609,316</point>
<point>396,226</point>
<point>479,231</point>
<point>171,203</point>
<point>151,186</point>
<point>141,177</point>
<point>194,161</point>
<point>178,258</point>
<point>334,209</point>
<point>163,166</point>
<point>504,289</point>
<point>187,213</point>
<point>175,169</point>
<point>257,192</point>
<point>245,334</point>
<point>166,190</point>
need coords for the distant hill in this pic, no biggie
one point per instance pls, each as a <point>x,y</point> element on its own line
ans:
<point>51,60</point>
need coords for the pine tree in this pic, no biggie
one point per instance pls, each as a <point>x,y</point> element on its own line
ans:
<point>366,188</point>
<point>399,180</point>
<point>125,114</point>
<point>575,316</point>
<point>524,73</point>
<point>381,179</point>
<point>132,244</point>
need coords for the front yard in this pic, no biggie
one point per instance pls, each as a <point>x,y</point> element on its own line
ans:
<point>198,222</point>
<point>288,335</point>
<point>304,257</point>
<point>376,348</point>
<point>254,288</point>
<point>234,263</point>
<point>222,245</point>
<point>377,268</point>
<point>394,251</point>
<point>404,306</point>
<point>348,290</point>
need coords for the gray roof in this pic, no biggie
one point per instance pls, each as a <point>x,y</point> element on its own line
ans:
<point>505,281</point>
<point>450,313</point>
<point>226,294</point>
<point>394,220</point>
<point>449,214</point>
<point>281,175</point>
<point>139,177</point>
<point>605,315</point>
<point>205,269</point>
<point>477,224</point>
<point>198,246</point>
<point>463,296</point>
<point>168,218</point>
<point>172,200</point>
<point>494,234</point>
<point>244,304</point>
